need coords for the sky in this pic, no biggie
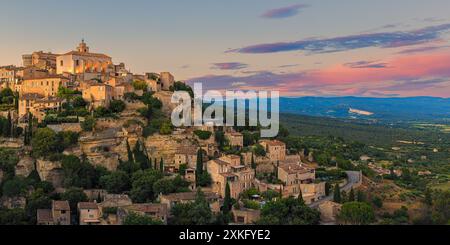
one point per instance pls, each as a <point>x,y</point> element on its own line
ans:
<point>380,48</point>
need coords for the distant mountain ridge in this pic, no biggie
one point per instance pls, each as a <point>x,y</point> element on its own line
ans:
<point>380,109</point>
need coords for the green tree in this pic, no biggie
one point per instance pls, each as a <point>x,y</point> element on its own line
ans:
<point>140,157</point>
<point>117,106</point>
<point>15,187</point>
<point>199,166</point>
<point>377,201</point>
<point>37,200</point>
<point>182,169</point>
<point>361,196</point>
<point>195,213</point>
<point>288,211</point>
<point>7,126</point>
<point>74,196</point>
<point>219,137</point>
<point>356,213</point>
<point>166,128</point>
<point>13,217</point>
<point>337,194</point>
<point>142,185</point>
<point>88,124</point>
<point>428,200</point>
<point>259,150</point>
<point>130,154</point>
<point>227,200</point>
<point>140,85</point>
<point>115,182</point>
<point>137,219</point>
<point>79,173</point>
<point>253,164</point>
<point>351,196</point>
<point>161,165</point>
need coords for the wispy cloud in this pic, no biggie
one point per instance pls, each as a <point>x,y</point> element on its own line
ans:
<point>284,12</point>
<point>408,75</point>
<point>422,49</point>
<point>343,43</point>
<point>366,64</point>
<point>229,66</point>
<point>288,65</point>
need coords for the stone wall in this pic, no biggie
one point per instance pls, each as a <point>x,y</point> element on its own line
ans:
<point>50,171</point>
<point>166,146</point>
<point>25,166</point>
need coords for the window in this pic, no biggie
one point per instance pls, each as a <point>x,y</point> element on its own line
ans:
<point>77,62</point>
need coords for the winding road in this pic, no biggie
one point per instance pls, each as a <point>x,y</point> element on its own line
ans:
<point>353,178</point>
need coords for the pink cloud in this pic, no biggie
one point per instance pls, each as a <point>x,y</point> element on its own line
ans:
<point>410,75</point>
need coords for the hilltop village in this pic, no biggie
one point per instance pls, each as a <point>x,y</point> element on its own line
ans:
<point>85,141</point>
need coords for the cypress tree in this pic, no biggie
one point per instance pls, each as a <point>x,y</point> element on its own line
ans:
<point>428,197</point>
<point>30,127</point>
<point>300,197</point>
<point>337,194</point>
<point>7,126</point>
<point>227,200</point>
<point>161,165</point>
<point>253,162</point>
<point>130,154</point>
<point>351,196</point>
<point>199,166</point>
<point>155,163</point>
<point>360,196</point>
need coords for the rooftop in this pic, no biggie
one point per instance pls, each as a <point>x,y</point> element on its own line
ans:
<point>44,215</point>
<point>188,196</point>
<point>293,168</point>
<point>88,54</point>
<point>148,207</point>
<point>87,205</point>
<point>273,142</point>
<point>61,205</point>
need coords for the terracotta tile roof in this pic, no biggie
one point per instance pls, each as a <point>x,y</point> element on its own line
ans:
<point>87,205</point>
<point>148,208</point>
<point>188,196</point>
<point>46,77</point>
<point>61,205</point>
<point>293,168</point>
<point>220,162</point>
<point>88,54</point>
<point>274,142</point>
<point>44,215</point>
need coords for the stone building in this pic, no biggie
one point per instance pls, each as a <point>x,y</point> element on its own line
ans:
<point>41,60</point>
<point>97,94</point>
<point>38,105</point>
<point>58,215</point>
<point>235,139</point>
<point>245,216</point>
<point>46,85</point>
<point>275,150</point>
<point>167,80</point>
<point>295,173</point>
<point>9,76</point>
<point>89,213</point>
<point>228,169</point>
<point>186,155</point>
<point>120,87</point>
<point>83,61</point>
